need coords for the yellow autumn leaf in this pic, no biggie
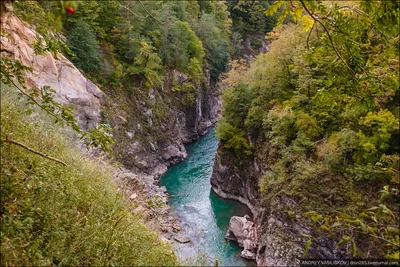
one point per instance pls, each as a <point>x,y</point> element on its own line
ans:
<point>307,23</point>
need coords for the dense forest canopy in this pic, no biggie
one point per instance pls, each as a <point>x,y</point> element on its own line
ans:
<point>131,45</point>
<point>325,100</point>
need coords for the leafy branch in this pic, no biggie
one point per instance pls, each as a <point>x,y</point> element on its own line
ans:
<point>12,70</point>
<point>367,222</point>
<point>316,19</point>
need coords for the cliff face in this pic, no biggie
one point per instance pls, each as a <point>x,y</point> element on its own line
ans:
<point>280,235</point>
<point>152,130</point>
<point>235,181</point>
<point>59,73</point>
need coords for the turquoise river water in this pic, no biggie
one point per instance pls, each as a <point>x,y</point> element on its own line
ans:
<point>205,216</point>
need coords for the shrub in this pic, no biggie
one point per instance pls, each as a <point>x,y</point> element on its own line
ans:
<point>147,65</point>
<point>236,103</point>
<point>186,92</point>
<point>180,46</point>
<point>234,138</point>
<point>307,125</point>
<point>279,123</point>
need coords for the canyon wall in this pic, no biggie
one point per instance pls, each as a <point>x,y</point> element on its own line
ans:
<point>280,230</point>
<point>150,127</point>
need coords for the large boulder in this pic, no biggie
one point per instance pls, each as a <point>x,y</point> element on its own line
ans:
<point>242,230</point>
<point>57,72</point>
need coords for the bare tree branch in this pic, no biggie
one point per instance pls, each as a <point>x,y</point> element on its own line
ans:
<point>140,17</point>
<point>9,141</point>
<point>309,34</point>
<point>159,22</point>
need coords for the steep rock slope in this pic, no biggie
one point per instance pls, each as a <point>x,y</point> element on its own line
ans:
<point>152,130</point>
<point>57,72</point>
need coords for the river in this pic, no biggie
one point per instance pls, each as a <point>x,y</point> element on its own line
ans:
<point>205,216</point>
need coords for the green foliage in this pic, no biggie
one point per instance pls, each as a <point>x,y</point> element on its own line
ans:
<point>254,119</point>
<point>186,92</point>
<point>379,126</point>
<point>47,43</point>
<point>71,215</point>
<point>123,27</point>
<point>307,245</point>
<point>280,122</point>
<point>236,103</point>
<point>320,105</point>
<point>194,70</point>
<point>234,138</point>
<point>214,42</point>
<point>83,44</point>
<point>307,125</point>
<point>88,12</point>
<point>120,44</point>
<point>148,65</point>
<point>192,11</point>
<point>248,16</point>
<point>12,70</point>
<point>256,43</point>
<point>116,76</point>
<point>236,44</point>
<point>298,96</point>
<point>12,74</point>
<point>99,136</point>
<point>180,45</point>
<point>47,24</point>
<point>376,222</point>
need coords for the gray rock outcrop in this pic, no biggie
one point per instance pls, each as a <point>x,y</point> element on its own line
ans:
<point>181,238</point>
<point>153,135</point>
<point>57,72</point>
<point>242,230</point>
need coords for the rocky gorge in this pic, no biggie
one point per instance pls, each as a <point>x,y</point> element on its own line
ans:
<point>144,148</point>
<point>302,164</point>
<point>145,154</point>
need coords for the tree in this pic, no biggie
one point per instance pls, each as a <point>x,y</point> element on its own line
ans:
<point>83,44</point>
<point>181,44</point>
<point>216,46</point>
<point>236,44</point>
<point>248,16</point>
<point>147,65</point>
